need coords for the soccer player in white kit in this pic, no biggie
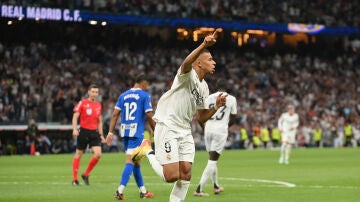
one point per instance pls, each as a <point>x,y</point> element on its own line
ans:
<point>216,133</point>
<point>287,124</point>
<point>174,143</point>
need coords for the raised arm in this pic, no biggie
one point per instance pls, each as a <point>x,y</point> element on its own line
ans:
<point>208,41</point>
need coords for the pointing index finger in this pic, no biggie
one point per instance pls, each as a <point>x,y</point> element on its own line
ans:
<point>216,31</point>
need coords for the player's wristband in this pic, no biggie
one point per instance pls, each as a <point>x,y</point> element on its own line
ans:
<point>216,107</point>
<point>110,133</point>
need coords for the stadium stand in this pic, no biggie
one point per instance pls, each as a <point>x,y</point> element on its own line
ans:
<point>45,73</point>
<point>330,13</point>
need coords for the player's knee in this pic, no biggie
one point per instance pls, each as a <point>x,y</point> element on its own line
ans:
<point>97,155</point>
<point>185,171</point>
<point>171,179</point>
<point>186,175</point>
<point>171,176</point>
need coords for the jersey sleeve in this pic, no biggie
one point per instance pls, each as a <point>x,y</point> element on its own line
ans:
<point>183,77</point>
<point>118,103</point>
<point>147,104</point>
<point>77,108</point>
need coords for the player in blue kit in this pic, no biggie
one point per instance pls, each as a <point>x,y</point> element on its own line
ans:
<point>134,108</point>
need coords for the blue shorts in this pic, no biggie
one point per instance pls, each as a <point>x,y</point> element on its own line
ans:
<point>131,143</point>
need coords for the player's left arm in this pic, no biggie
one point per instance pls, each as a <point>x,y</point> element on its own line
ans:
<point>206,114</point>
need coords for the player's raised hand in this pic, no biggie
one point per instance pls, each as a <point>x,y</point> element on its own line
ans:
<point>221,99</point>
<point>211,39</point>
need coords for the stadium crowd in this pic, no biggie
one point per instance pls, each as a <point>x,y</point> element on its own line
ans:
<point>330,12</point>
<point>43,81</point>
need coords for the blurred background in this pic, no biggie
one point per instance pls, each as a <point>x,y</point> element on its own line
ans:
<point>271,53</point>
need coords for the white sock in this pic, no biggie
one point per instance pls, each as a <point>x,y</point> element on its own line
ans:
<point>157,167</point>
<point>121,188</point>
<point>206,174</point>
<point>282,151</point>
<point>215,174</point>
<point>287,152</point>
<point>179,191</point>
<point>142,189</point>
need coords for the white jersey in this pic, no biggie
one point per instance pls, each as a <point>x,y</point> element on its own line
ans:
<point>219,122</point>
<point>287,121</point>
<point>177,106</point>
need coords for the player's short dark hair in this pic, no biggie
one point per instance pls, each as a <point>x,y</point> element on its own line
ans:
<point>205,51</point>
<point>140,78</point>
<point>290,106</point>
<point>221,84</point>
<point>93,85</point>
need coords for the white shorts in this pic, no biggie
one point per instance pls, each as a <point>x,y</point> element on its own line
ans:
<point>215,141</point>
<point>173,145</point>
<point>288,137</point>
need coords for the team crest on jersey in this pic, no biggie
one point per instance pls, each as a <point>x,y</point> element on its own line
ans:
<point>88,111</point>
<point>167,147</point>
<point>168,157</point>
<point>197,97</point>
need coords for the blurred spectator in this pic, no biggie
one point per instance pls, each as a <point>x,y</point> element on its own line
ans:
<point>275,137</point>
<point>256,142</point>
<point>339,140</point>
<point>44,144</point>
<point>264,136</point>
<point>58,146</point>
<point>243,137</point>
<point>348,132</point>
<point>318,135</point>
<point>32,133</point>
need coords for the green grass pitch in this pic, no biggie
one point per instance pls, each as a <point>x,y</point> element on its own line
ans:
<point>312,175</point>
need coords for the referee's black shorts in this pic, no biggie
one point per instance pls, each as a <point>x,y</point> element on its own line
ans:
<point>86,137</point>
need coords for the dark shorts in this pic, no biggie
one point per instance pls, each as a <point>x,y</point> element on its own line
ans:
<point>88,137</point>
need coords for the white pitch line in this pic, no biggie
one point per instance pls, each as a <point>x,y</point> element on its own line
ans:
<point>329,187</point>
<point>270,183</point>
<point>287,184</point>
